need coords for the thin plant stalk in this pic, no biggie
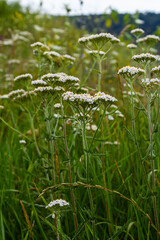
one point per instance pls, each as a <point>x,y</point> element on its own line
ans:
<point>86,157</point>
<point>69,169</point>
<point>154,199</point>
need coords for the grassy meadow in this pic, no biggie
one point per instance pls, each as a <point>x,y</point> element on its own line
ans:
<point>79,130</point>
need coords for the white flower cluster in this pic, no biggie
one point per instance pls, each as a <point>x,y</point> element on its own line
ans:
<point>22,141</point>
<point>25,95</point>
<point>99,37</point>
<point>68,57</point>
<point>82,98</point>
<point>59,202</point>
<point>14,61</point>
<point>155,69</point>
<point>132,46</point>
<point>149,83</point>
<point>51,76</point>
<point>148,38</point>
<point>5,96</point>
<point>137,31</point>
<point>16,93</point>
<point>52,54</point>
<point>92,127</point>
<point>39,45</point>
<point>26,76</point>
<point>43,89</point>
<point>59,89</point>
<point>38,82</point>
<point>101,96</point>
<point>69,79</point>
<point>1,107</point>
<point>57,105</point>
<point>95,52</point>
<point>130,71</point>
<point>144,57</point>
<point>87,98</point>
<point>112,143</point>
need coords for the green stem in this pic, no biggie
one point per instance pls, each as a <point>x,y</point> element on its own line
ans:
<point>86,157</point>
<point>50,141</point>
<point>69,169</point>
<point>34,134</point>
<point>99,74</point>
<point>154,199</point>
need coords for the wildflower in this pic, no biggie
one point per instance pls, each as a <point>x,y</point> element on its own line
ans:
<point>83,99</point>
<point>105,37</point>
<point>14,93</point>
<point>102,97</point>
<point>25,95</point>
<point>57,105</point>
<point>1,107</point>
<point>69,58</point>
<point>14,61</point>
<point>156,69</point>
<point>59,89</point>
<point>38,82</point>
<point>150,83</point>
<point>93,127</point>
<point>5,96</point>
<point>95,52</point>
<point>26,76</point>
<point>51,53</point>
<point>22,141</point>
<point>131,46</point>
<point>69,79</point>
<point>57,203</point>
<point>51,76</point>
<point>43,89</point>
<point>130,71</point>
<point>144,57</point>
<point>39,46</point>
<point>148,39</point>
<point>111,118</point>
<point>137,31</point>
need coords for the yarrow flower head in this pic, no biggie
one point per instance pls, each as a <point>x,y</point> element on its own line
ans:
<point>57,105</point>
<point>68,58</point>
<point>39,46</point>
<point>43,90</point>
<point>86,100</point>
<point>150,83</point>
<point>57,203</point>
<point>155,70</point>
<point>25,96</point>
<point>52,76</point>
<point>137,31</point>
<point>148,39</point>
<point>22,141</point>
<point>95,53</point>
<point>132,46</point>
<point>38,82</point>
<point>130,71</point>
<point>15,93</point>
<point>24,77</point>
<point>102,97</point>
<point>101,37</point>
<point>144,57</point>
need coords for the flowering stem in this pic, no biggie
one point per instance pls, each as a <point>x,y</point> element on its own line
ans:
<point>99,74</point>
<point>86,157</point>
<point>58,225</point>
<point>154,199</point>
<point>50,141</point>
<point>34,134</point>
<point>39,65</point>
<point>69,169</point>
